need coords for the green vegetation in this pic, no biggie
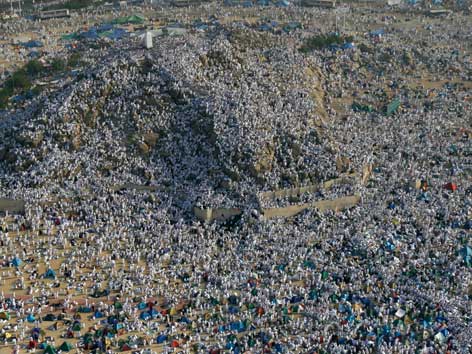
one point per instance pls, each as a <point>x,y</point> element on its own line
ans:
<point>58,65</point>
<point>324,41</point>
<point>34,67</point>
<point>74,60</point>
<point>21,80</point>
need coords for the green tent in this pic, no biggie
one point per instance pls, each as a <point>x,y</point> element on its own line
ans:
<point>358,107</point>
<point>133,19</point>
<point>392,106</point>
<point>70,37</point>
<point>105,34</point>
<point>76,327</point>
<point>65,347</point>
<point>4,316</point>
<point>49,350</point>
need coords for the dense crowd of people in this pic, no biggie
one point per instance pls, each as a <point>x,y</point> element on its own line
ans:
<point>213,119</point>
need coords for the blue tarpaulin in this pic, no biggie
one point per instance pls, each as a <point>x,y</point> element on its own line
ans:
<point>32,44</point>
<point>117,33</point>
<point>161,339</point>
<point>283,3</point>
<point>348,45</point>
<point>379,32</point>
<point>50,274</point>
<point>16,262</point>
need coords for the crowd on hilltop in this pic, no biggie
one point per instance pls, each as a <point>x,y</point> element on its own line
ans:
<point>213,119</point>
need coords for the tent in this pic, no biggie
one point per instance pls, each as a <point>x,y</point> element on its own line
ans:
<point>98,314</point>
<point>392,106</point>
<point>49,350</point>
<point>358,107</point>
<point>70,37</point>
<point>466,254</point>
<point>292,26</point>
<point>91,34</point>
<point>50,317</point>
<point>283,3</point>
<point>50,274</point>
<point>65,347</point>
<point>451,186</point>
<point>30,318</point>
<point>117,33</point>
<point>4,315</point>
<point>161,338</point>
<point>133,19</point>
<point>32,44</point>
<point>84,309</point>
<point>145,316</point>
<point>16,262</point>
<point>348,45</point>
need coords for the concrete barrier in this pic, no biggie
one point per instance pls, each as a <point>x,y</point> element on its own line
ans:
<point>210,214</point>
<point>322,205</point>
<point>12,206</point>
<point>312,188</point>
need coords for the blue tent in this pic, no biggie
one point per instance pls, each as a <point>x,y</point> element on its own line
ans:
<point>32,44</point>
<point>292,26</point>
<point>30,318</point>
<point>161,338</point>
<point>33,54</point>
<point>16,262</point>
<point>379,32</point>
<point>348,45</point>
<point>201,26</point>
<point>105,27</point>
<point>98,314</point>
<point>265,27</point>
<point>263,2</point>
<point>145,316</point>
<point>91,34</point>
<point>466,254</point>
<point>237,326</point>
<point>85,309</point>
<point>142,306</point>
<point>117,33</point>
<point>283,3</point>
<point>50,274</point>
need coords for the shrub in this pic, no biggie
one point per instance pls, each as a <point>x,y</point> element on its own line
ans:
<point>323,41</point>
<point>4,96</point>
<point>19,80</point>
<point>74,60</point>
<point>34,67</point>
<point>58,64</point>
